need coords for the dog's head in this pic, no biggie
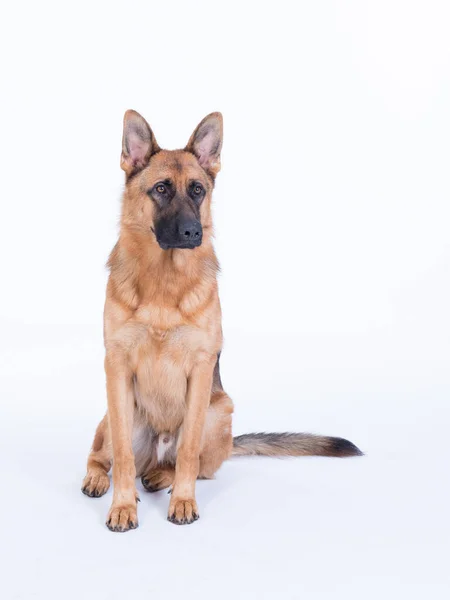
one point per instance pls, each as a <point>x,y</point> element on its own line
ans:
<point>168,192</point>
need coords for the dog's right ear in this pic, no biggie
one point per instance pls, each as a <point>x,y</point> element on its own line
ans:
<point>138,143</point>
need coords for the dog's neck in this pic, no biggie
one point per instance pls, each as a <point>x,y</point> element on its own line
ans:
<point>142,273</point>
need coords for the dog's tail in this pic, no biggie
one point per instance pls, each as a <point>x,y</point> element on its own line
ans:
<point>292,444</point>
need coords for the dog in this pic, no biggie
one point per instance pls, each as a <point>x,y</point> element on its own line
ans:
<point>168,419</point>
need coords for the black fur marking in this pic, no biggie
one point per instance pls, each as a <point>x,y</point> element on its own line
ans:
<point>177,217</point>
<point>197,198</point>
<point>217,382</point>
<point>343,447</point>
<point>162,199</point>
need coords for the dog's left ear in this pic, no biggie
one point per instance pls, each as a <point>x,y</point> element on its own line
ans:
<point>206,143</point>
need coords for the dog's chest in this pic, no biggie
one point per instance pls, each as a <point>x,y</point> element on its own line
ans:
<point>163,364</point>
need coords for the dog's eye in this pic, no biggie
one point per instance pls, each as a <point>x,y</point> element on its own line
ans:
<point>160,188</point>
<point>198,190</point>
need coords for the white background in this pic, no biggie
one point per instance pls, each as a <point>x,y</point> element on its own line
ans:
<point>332,219</point>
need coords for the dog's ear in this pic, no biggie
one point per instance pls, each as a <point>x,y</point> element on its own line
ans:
<point>138,143</point>
<point>206,142</point>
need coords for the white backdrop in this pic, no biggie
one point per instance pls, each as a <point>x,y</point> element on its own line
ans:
<point>332,219</point>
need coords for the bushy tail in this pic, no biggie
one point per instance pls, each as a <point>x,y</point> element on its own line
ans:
<point>292,444</point>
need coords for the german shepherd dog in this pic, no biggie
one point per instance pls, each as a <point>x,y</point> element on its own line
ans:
<point>168,418</point>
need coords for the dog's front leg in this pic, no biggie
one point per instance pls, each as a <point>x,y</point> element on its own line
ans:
<point>122,515</point>
<point>183,507</point>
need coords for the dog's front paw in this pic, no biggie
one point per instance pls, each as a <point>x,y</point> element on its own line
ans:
<point>122,517</point>
<point>182,512</point>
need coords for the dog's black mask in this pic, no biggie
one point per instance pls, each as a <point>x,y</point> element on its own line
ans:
<point>177,214</point>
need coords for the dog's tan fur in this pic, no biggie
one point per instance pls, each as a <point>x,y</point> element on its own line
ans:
<point>168,418</point>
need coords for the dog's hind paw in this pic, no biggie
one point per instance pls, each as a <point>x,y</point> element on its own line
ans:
<point>95,484</point>
<point>158,479</point>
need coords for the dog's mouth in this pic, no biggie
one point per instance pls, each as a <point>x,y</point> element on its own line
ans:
<point>179,246</point>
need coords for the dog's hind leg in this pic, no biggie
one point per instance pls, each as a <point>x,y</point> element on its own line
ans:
<point>216,446</point>
<point>217,440</point>
<point>96,482</point>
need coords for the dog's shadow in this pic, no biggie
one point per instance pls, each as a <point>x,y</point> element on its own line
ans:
<point>207,491</point>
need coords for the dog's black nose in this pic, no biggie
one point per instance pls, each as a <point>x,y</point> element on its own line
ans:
<point>182,232</point>
<point>190,231</point>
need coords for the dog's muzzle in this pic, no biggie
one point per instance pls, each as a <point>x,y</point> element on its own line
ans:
<point>184,234</point>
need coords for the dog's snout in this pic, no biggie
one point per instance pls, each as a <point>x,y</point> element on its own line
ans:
<point>180,232</point>
<point>190,232</point>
